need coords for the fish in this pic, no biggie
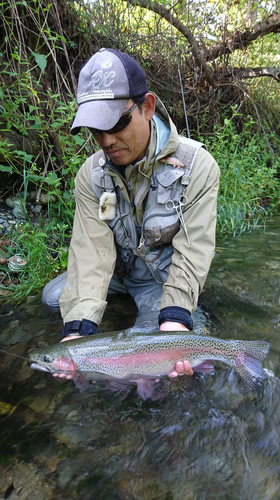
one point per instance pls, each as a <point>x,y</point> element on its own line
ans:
<point>138,354</point>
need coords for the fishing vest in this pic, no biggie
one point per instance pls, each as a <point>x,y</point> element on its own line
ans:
<point>153,241</point>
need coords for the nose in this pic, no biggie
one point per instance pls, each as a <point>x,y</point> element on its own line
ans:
<point>107,140</point>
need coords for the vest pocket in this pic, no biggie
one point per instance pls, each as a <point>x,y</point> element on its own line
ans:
<point>160,224</point>
<point>168,186</point>
<point>156,235</point>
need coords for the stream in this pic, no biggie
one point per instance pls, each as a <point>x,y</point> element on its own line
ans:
<point>208,437</point>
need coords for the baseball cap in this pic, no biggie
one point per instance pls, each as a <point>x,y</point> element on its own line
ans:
<point>106,83</point>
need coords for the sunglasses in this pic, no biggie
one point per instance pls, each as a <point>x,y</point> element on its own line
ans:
<point>124,120</point>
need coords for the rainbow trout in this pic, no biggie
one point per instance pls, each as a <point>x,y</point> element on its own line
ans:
<point>136,354</point>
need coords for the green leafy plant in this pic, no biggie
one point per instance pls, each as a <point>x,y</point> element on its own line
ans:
<point>45,250</point>
<point>249,182</point>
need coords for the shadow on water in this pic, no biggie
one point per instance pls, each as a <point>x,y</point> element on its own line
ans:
<point>208,438</point>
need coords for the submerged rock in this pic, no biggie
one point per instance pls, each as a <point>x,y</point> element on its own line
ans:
<point>24,481</point>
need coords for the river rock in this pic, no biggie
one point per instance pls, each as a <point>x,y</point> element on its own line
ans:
<point>83,432</point>
<point>19,210</point>
<point>39,404</point>
<point>45,199</point>
<point>10,202</point>
<point>23,480</point>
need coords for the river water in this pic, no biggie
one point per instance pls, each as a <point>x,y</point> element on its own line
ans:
<point>207,438</point>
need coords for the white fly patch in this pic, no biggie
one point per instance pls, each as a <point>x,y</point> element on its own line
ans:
<point>107,206</point>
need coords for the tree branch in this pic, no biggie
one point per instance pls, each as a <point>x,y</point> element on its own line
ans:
<point>243,73</point>
<point>167,15</point>
<point>241,40</point>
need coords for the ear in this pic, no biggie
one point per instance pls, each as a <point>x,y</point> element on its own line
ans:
<point>149,106</point>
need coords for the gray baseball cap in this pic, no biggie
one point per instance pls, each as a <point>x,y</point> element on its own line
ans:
<point>106,83</point>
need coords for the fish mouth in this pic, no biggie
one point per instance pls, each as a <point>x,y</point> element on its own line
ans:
<point>35,366</point>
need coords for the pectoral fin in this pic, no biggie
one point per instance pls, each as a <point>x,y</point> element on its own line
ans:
<point>81,382</point>
<point>146,388</point>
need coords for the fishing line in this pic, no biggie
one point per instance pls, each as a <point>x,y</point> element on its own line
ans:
<point>16,355</point>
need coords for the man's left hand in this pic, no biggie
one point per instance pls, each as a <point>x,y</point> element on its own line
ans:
<point>182,367</point>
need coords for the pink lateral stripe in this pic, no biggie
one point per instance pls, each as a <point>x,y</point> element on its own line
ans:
<point>143,358</point>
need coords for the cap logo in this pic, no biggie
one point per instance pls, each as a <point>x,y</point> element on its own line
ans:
<point>99,86</point>
<point>101,77</point>
<point>107,64</point>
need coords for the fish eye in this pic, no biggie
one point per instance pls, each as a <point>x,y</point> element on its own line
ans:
<point>47,359</point>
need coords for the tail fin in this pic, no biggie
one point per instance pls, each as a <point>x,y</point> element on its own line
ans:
<point>248,363</point>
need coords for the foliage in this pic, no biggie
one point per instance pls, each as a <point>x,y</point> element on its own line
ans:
<point>249,182</point>
<point>37,104</point>
<point>45,249</point>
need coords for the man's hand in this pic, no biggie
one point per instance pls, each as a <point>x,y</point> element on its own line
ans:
<point>71,337</point>
<point>182,367</point>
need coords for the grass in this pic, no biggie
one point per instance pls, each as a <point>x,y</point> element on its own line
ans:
<point>45,249</point>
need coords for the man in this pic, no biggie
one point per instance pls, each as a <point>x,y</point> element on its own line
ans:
<point>145,206</point>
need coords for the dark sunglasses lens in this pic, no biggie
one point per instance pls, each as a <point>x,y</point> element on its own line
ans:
<point>122,123</point>
<point>95,131</point>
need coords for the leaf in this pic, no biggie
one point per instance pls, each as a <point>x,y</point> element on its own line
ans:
<point>67,195</point>
<point>24,155</point>
<point>53,176</point>
<point>34,177</point>
<point>6,168</point>
<point>78,140</point>
<point>41,60</point>
<point>43,235</point>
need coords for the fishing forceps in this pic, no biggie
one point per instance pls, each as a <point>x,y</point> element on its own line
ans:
<point>177,206</point>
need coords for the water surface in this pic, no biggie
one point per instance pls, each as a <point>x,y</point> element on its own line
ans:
<point>207,438</point>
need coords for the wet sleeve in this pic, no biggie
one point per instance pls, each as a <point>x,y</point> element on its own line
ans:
<point>91,260</point>
<point>190,263</point>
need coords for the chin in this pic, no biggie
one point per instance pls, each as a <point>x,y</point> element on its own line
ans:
<point>121,160</point>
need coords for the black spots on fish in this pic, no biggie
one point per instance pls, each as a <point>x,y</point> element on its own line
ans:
<point>238,360</point>
<point>258,349</point>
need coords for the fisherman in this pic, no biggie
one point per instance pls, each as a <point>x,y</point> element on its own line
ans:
<point>145,214</point>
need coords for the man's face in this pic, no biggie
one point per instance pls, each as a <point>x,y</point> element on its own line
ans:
<point>130,144</point>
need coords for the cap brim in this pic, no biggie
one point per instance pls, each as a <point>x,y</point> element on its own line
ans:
<point>102,115</point>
